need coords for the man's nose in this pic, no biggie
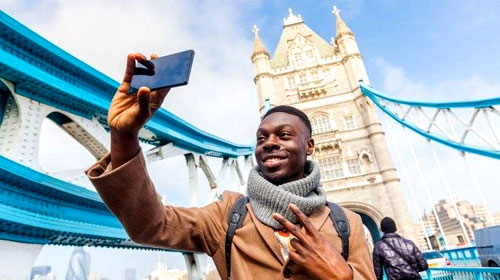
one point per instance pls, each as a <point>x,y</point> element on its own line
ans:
<point>271,144</point>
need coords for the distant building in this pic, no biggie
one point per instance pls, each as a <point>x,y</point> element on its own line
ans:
<point>94,276</point>
<point>79,265</point>
<point>213,275</point>
<point>474,216</point>
<point>129,274</point>
<point>496,218</point>
<point>421,237</point>
<point>161,272</point>
<point>42,273</point>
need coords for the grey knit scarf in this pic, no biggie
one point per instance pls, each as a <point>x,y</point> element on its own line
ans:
<point>267,198</point>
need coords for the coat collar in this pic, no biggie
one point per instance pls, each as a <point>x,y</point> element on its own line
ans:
<point>390,235</point>
<point>317,218</point>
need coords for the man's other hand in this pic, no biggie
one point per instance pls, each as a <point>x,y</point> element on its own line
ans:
<point>314,253</point>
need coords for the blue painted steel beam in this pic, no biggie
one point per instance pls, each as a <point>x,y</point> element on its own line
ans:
<point>443,105</point>
<point>39,209</point>
<point>375,96</point>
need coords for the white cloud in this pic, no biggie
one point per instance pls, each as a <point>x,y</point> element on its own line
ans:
<point>396,83</point>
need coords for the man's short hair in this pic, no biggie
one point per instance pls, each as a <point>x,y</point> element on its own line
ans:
<point>292,111</point>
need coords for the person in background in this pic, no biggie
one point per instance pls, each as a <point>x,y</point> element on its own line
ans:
<point>399,256</point>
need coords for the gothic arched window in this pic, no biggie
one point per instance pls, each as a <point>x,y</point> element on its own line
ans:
<point>321,123</point>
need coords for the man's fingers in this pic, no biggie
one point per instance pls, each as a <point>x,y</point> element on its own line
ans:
<point>129,71</point>
<point>304,220</point>
<point>144,99</point>
<point>154,56</point>
<point>297,246</point>
<point>297,258</point>
<point>157,98</point>
<point>293,229</point>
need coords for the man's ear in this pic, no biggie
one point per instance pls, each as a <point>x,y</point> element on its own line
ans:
<point>310,147</point>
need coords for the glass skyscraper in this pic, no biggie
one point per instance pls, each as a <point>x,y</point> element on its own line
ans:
<point>79,265</point>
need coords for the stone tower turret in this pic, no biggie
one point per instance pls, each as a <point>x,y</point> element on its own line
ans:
<point>349,51</point>
<point>262,69</point>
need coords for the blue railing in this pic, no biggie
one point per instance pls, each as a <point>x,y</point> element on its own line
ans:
<point>448,273</point>
<point>463,256</point>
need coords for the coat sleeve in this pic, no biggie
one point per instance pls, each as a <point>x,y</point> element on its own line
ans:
<point>130,195</point>
<point>421,262</point>
<point>359,258</point>
<point>377,263</point>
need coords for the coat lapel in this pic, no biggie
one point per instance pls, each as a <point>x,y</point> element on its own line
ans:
<point>267,233</point>
<point>318,218</point>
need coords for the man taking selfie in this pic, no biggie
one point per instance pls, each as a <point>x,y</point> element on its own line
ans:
<point>286,231</point>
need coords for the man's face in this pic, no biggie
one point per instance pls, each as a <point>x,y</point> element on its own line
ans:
<point>283,144</point>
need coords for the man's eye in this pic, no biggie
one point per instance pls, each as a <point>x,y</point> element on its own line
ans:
<point>285,134</point>
<point>260,138</point>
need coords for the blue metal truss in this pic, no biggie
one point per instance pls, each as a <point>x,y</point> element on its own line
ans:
<point>38,209</point>
<point>450,139</point>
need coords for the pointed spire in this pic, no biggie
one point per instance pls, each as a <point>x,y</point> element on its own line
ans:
<point>292,19</point>
<point>258,46</point>
<point>342,28</point>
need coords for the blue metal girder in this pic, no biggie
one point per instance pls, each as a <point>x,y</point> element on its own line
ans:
<point>376,96</point>
<point>44,72</point>
<point>39,209</point>
<point>37,201</point>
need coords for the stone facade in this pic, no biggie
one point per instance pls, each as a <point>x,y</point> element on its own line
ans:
<point>321,79</point>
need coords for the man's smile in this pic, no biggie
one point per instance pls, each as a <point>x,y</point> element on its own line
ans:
<point>272,161</point>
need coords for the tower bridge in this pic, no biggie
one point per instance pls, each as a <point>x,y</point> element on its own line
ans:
<point>328,81</point>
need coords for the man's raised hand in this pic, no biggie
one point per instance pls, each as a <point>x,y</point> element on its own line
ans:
<point>128,113</point>
<point>314,253</point>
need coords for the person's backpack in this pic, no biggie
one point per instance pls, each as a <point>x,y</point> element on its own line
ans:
<point>239,211</point>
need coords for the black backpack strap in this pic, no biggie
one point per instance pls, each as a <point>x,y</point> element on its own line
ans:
<point>234,222</point>
<point>341,225</point>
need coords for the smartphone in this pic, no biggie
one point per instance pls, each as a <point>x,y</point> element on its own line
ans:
<point>163,72</point>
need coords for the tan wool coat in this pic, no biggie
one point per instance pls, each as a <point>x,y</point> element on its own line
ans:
<point>130,195</point>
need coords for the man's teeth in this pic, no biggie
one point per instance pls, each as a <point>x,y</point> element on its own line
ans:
<point>272,159</point>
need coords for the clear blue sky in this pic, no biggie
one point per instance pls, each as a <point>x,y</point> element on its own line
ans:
<point>422,50</point>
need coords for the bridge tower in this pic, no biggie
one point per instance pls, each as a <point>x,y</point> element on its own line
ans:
<point>321,79</point>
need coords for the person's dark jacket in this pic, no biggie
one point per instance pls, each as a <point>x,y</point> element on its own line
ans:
<point>397,267</point>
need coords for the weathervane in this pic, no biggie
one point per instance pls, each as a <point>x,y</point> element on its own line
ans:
<point>336,11</point>
<point>255,30</point>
